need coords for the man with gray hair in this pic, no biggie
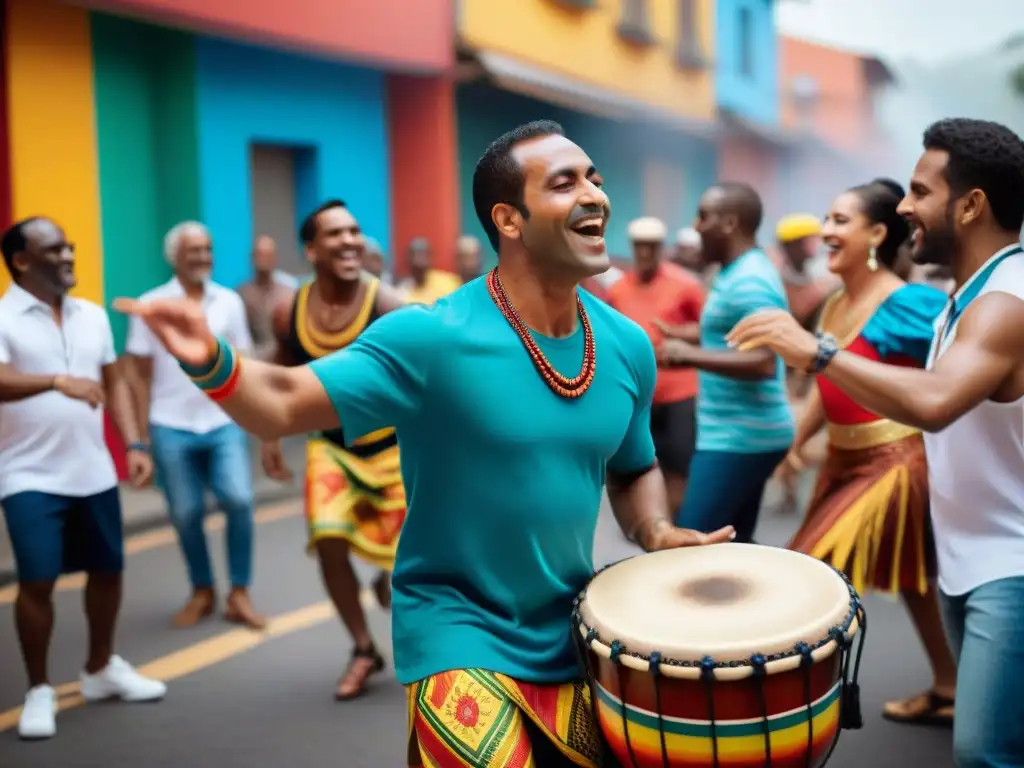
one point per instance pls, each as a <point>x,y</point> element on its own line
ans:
<point>468,260</point>
<point>195,444</point>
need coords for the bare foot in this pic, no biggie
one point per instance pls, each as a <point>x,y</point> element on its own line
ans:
<point>240,611</point>
<point>928,708</point>
<point>364,664</point>
<point>199,607</point>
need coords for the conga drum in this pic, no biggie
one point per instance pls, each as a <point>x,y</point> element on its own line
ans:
<point>724,656</point>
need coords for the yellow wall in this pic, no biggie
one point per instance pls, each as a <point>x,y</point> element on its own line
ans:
<point>54,165</point>
<point>584,44</point>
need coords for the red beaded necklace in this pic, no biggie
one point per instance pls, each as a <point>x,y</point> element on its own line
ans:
<point>559,384</point>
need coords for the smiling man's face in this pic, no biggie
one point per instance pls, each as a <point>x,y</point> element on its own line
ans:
<point>567,209</point>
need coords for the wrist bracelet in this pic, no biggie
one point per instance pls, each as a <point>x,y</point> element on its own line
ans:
<point>218,378</point>
<point>140,447</point>
<point>827,350</point>
<point>199,373</point>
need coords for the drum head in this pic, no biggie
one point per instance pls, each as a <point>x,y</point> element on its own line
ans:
<point>727,601</point>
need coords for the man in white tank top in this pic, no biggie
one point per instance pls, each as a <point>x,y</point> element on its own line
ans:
<point>966,203</point>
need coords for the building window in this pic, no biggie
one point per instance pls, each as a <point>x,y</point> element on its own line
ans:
<point>746,42</point>
<point>689,51</point>
<point>576,3</point>
<point>634,25</point>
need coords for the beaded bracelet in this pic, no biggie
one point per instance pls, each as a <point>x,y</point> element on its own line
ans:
<point>219,377</point>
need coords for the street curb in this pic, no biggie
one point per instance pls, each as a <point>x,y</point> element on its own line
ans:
<point>157,518</point>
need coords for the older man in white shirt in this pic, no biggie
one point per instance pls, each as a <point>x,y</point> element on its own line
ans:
<point>58,486</point>
<point>195,444</point>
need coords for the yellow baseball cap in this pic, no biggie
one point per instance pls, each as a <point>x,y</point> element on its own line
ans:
<point>797,226</point>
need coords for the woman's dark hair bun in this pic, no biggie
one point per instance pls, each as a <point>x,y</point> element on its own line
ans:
<point>880,198</point>
<point>892,185</point>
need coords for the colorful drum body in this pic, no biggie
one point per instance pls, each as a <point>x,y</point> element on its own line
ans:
<point>727,656</point>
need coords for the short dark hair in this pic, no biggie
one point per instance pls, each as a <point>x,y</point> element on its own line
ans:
<point>987,156</point>
<point>14,241</point>
<point>498,177</point>
<point>879,200</point>
<point>743,200</point>
<point>308,230</point>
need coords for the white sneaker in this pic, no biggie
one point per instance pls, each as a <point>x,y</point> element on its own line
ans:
<point>39,715</point>
<point>120,680</point>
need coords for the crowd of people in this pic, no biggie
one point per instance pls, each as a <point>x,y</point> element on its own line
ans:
<point>427,398</point>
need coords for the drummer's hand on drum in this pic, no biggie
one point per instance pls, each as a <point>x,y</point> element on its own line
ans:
<point>661,534</point>
<point>780,332</point>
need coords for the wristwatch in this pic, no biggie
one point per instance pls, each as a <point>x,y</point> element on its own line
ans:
<point>140,447</point>
<point>827,350</point>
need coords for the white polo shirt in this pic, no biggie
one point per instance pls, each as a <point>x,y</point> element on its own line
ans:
<point>50,442</point>
<point>175,401</point>
<point>976,470</point>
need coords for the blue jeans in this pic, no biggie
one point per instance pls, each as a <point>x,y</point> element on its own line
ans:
<point>187,464</point>
<point>726,488</point>
<point>985,628</point>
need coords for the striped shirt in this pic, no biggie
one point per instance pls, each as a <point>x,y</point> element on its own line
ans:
<point>734,415</point>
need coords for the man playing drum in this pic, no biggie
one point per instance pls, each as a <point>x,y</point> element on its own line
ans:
<point>504,457</point>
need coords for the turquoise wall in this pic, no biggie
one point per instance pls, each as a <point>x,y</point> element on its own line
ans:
<point>333,113</point>
<point>753,94</point>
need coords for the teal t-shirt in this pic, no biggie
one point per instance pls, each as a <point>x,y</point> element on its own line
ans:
<point>734,415</point>
<point>503,478</point>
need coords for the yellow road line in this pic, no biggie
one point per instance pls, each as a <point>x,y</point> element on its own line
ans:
<point>201,655</point>
<point>162,537</point>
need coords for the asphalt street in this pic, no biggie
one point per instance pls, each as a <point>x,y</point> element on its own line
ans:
<point>239,698</point>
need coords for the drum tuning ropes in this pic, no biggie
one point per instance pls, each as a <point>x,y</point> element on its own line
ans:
<point>783,709</point>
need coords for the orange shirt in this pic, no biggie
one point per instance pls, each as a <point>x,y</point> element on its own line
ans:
<point>674,296</point>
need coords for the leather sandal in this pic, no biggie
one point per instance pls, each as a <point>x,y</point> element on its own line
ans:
<point>924,709</point>
<point>361,675</point>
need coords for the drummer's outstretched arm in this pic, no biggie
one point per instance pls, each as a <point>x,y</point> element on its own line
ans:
<point>374,383</point>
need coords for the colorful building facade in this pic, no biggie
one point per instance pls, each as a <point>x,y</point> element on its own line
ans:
<point>631,82</point>
<point>752,144</point>
<point>747,61</point>
<point>828,98</point>
<point>120,128</point>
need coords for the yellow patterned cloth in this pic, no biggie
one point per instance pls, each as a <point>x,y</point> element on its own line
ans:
<point>471,718</point>
<point>358,498</point>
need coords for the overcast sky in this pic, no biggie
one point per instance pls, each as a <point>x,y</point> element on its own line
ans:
<point>926,30</point>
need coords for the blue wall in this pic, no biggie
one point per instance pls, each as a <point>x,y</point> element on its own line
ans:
<point>754,97</point>
<point>334,113</point>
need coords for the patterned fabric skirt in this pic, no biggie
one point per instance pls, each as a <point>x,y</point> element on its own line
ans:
<point>471,718</point>
<point>355,497</point>
<point>869,517</point>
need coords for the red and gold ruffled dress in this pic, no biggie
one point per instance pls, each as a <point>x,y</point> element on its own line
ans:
<point>869,514</point>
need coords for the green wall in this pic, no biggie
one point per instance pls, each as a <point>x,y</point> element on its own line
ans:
<point>146,125</point>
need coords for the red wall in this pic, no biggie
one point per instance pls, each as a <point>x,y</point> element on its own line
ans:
<point>424,166</point>
<point>410,34</point>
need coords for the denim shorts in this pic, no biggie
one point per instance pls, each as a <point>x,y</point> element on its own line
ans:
<point>52,534</point>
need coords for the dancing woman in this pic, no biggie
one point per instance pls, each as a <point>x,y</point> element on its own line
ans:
<point>869,513</point>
